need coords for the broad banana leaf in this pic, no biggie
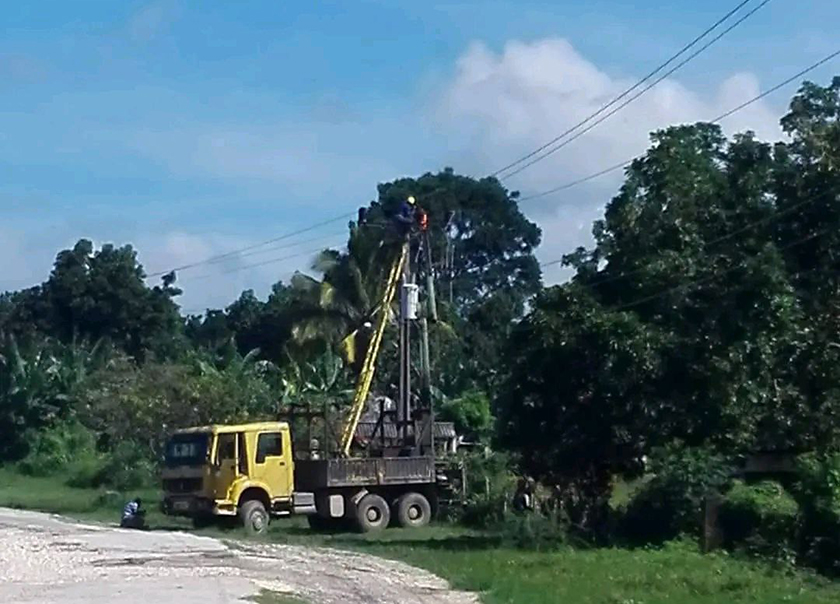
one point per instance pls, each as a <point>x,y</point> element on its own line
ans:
<point>347,347</point>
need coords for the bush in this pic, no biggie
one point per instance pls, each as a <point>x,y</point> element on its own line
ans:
<point>670,504</point>
<point>126,468</point>
<point>470,413</point>
<point>85,472</point>
<point>56,449</point>
<point>490,488</point>
<point>534,531</point>
<point>69,450</point>
<point>818,494</point>
<point>761,519</point>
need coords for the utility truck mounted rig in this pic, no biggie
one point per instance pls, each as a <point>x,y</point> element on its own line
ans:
<point>258,471</point>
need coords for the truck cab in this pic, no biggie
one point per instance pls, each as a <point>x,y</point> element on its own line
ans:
<point>244,471</point>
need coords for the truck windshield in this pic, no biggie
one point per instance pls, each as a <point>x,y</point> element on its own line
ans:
<point>187,449</point>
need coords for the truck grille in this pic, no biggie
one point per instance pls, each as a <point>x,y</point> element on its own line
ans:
<point>182,485</point>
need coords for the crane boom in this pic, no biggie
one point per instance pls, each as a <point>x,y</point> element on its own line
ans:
<point>369,366</point>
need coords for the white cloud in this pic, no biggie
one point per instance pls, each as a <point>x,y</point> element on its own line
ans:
<point>500,106</point>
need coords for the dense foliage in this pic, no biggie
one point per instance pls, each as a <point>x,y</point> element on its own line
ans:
<point>705,314</point>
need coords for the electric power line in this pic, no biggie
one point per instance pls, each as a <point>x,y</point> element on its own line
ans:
<point>721,117</point>
<point>285,246</point>
<point>638,94</point>
<point>265,262</point>
<point>585,121</point>
<point>223,256</point>
<point>239,251</point>
<point>214,259</point>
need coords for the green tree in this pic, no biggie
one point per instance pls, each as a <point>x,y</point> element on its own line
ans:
<point>95,294</point>
<point>704,314</point>
<point>573,406</point>
<point>470,413</point>
<point>347,294</point>
<point>483,249</point>
<point>141,404</point>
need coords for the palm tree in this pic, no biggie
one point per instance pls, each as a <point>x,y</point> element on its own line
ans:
<point>347,296</point>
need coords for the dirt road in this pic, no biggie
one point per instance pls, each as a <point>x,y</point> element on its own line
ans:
<point>48,559</point>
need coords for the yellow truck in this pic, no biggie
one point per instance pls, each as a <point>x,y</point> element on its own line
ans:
<point>248,472</point>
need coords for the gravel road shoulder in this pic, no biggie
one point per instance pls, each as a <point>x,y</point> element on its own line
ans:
<point>49,559</point>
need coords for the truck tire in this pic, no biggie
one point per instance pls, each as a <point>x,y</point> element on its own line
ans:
<point>372,513</point>
<point>254,517</point>
<point>413,510</point>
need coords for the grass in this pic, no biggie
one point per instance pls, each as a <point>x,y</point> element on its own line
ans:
<point>478,562</point>
<point>272,597</point>
<point>677,573</point>
<point>52,495</point>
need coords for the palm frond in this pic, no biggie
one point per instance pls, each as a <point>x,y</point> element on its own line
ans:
<point>326,261</point>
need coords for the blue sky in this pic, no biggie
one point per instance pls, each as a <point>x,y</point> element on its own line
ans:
<point>189,130</point>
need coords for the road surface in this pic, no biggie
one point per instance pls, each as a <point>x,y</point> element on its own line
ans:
<point>48,559</point>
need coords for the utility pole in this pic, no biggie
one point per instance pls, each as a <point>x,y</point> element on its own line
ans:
<point>408,313</point>
<point>417,423</point>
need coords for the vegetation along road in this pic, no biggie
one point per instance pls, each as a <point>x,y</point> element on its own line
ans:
<point>48,559</point>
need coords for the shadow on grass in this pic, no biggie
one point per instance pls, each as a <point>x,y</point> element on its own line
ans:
<point>392,538</point>
<point>453,544</point>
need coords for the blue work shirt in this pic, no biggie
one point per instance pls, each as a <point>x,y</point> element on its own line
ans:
<point>130,510</point>
<point>406,213</point>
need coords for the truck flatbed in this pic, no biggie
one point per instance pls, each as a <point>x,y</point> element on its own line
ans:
<point>319,474</point>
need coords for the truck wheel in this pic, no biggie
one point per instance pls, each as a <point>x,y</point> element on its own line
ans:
<point>372,513</point>
<point>413,510</point>
<point>253,515</point>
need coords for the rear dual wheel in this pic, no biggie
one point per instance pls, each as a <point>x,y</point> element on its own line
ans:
<point>372,513</point>
<point>413,510</point>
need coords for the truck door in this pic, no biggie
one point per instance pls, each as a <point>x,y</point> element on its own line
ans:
<point>271,463</point>
<point>226,465</point>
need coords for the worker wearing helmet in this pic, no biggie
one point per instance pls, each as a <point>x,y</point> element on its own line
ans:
<point>406,215</point>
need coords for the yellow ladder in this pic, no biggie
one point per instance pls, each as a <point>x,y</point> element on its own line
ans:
<point>369,366</point>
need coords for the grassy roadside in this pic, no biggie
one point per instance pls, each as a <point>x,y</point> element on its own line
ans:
<point>51,495</point>
<point>475,562</point>
<point>676,573</point>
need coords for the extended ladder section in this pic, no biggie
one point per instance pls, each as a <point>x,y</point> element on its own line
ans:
<point>369,367</point>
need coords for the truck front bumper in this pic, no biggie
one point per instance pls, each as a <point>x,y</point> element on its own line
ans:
<point>187,505</point>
